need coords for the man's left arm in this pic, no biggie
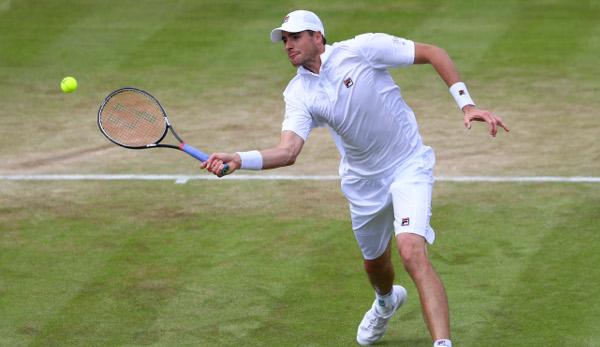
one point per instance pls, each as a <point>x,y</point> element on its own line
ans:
<point>443,64</point>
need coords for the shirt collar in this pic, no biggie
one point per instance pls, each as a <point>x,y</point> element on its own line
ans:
<point>324,57</point>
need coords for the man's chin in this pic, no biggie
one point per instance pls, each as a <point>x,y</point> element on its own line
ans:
<point>294,62</point>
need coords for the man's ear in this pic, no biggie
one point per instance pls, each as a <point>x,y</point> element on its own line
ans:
<point>320,36</point>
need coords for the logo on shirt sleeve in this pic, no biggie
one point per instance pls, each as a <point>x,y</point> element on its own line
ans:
<point>348,82</point>
<point>405,221</point>
<point>398,41</point>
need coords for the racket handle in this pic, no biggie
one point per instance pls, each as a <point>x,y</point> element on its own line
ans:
<point>198,154</point>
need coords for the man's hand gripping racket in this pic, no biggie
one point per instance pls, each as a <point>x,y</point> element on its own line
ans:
<point>132,118</point>
<point>217,161</point>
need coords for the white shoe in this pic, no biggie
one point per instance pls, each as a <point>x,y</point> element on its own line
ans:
<point>373,325</point>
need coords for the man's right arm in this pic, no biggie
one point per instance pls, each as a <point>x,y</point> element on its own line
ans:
<point>284,154</point>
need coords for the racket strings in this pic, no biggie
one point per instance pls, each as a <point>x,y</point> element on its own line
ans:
<point>133,119</point>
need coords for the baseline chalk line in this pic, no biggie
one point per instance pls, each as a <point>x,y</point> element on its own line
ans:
<point>182,179</point>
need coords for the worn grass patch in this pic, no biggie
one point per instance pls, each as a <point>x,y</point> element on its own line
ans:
<point>220,79</point>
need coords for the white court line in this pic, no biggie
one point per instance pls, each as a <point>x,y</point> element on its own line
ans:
<point>182,179</point>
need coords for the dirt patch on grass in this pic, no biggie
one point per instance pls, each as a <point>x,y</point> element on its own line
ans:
<point>548,136</point>
<point>35,162</point>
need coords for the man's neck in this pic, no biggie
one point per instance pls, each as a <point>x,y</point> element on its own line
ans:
<point>314,66</point>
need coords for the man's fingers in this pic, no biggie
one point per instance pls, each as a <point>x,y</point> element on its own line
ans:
<point>210,163</point>
<point>492,120</point>
<point>220,173</point>
<point>215,167</point>
<point>493,128</point>
<point>488,117</point>
<point>502,124</point>
<point>467,122</point>
<point>217,162</point>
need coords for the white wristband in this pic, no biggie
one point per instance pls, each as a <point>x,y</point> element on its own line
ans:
<point>461,95</point>
<point>251,160</point>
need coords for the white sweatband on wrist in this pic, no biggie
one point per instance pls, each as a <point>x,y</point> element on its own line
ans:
<point>461,95</point>
<point>251,160</point>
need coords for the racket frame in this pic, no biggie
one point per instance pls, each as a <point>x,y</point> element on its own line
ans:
<point>164,114</point>
<point>184,147</point>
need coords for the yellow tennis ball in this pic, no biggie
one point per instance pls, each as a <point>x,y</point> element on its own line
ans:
<point>68,84</point>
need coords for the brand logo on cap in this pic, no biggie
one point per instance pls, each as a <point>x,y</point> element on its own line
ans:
<point>285,19</point>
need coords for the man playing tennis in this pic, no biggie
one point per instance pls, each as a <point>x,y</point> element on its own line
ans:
<point>386,170</point>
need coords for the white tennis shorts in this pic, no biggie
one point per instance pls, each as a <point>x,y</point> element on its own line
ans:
<point>398,203</point>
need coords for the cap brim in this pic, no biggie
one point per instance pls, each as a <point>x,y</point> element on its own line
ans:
<point>276,35</point>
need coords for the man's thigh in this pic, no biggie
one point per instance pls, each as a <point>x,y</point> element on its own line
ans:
<point>412,208</point>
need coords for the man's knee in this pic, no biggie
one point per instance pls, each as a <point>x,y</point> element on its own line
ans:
<point>413,251</point>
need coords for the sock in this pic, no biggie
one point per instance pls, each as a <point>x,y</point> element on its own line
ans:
<point>385,302</point>
<point>442,343</point>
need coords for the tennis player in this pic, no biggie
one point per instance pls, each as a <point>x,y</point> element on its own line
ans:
<point>386,170</point>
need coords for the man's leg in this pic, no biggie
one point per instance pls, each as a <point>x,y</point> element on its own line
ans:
<point>388,299</point>
<point>432,294</point>
<point>381,272</point>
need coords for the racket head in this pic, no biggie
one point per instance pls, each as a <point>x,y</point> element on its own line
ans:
<point>132,118</point>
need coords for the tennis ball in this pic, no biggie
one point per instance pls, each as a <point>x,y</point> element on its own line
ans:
<point>68,84</point>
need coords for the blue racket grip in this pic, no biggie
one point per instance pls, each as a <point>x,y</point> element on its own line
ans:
<point>198,154</point>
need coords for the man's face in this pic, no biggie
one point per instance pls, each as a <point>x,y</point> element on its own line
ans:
<point>301,48</point>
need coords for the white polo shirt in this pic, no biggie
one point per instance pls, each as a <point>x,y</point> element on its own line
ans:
<point>355,96</point>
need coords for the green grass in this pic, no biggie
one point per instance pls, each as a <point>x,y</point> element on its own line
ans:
<point>161,264</point>
<point>275,263</point>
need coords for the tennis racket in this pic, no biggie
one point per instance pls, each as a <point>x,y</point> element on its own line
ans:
<point>132,118</point>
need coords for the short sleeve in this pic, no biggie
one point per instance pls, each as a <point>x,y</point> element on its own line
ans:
<point>297,117</point>
<point>383,51</point>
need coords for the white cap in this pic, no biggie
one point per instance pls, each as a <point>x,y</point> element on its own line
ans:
<point>296,22</point>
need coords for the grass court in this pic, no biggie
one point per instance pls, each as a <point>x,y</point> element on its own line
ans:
<point>274,263</point>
